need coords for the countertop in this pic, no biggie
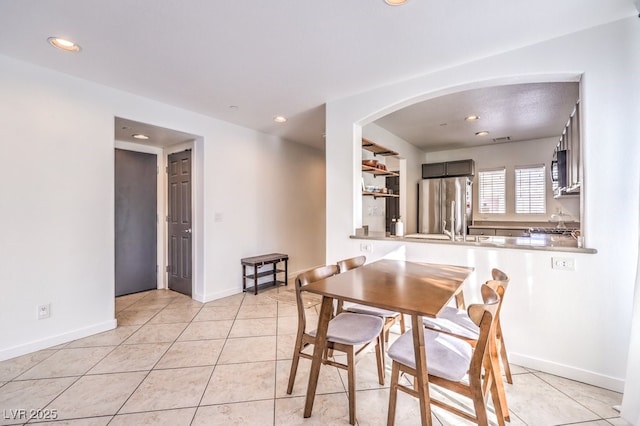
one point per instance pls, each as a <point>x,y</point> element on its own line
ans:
<point>543,242</point>
<point>520,225</point>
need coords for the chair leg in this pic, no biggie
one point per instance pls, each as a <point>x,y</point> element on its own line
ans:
<point>503,355</point>
<point>351,378</point>
<point>479,405</point>
<point>402,326</point>
<point>393,394</point>
<point>497,403</point>
<point>380,358</point>
<point>294,366</point>
<point>497,380</point>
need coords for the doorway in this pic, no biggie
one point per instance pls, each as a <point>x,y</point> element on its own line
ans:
<point>164,142</point>
<point>135,222</point>
<point>179,228</point>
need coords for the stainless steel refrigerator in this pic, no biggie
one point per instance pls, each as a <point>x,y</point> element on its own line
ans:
<point>438,197</point>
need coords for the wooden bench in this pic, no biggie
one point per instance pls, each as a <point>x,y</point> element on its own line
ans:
<point>254,274</point>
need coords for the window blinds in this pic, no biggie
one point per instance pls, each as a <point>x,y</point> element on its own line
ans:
<point>491,188</point>
<point>530,190</point>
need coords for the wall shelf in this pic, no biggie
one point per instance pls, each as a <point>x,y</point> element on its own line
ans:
<point>379,194</point>
<point>378,172</point>
<point>376,149</point>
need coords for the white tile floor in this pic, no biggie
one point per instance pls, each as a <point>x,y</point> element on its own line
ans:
<point>174,361</point>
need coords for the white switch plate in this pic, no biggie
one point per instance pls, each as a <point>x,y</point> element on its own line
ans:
<point>563,263</point>
<point>44,311</point>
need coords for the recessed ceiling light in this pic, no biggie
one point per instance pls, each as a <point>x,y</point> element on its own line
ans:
<point>395,2</point>
<point>279,119</point>
<point>63,44</point>
<point>482,133</point>
<point>233,107</point>
<point>140,136</point>
<point>471,118</point>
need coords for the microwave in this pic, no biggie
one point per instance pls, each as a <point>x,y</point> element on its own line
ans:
<point>559,168</point>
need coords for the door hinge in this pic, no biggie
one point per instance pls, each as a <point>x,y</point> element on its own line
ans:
<point>166,269</point>
<point>166,169</point>
<point>167,218</point>
<point>157,268</point>
<point>157,170</point>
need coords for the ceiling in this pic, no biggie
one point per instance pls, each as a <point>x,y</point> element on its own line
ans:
<point>510,113</point>
<point>158,136</point>
<point>246,61</point>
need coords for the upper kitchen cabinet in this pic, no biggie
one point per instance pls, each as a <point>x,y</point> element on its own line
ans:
<point>448,169</point>
<point>566,166</point>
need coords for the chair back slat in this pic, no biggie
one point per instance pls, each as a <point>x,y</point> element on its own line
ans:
<point>498,275</point>
<point>352,263</point>
<point>309,277</point>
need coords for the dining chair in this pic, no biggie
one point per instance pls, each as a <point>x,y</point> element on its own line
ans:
<point>346,331</point>
<point>456,323</point>
<point>499,275</point>
<point>454,364</point>
<point>390,317</point>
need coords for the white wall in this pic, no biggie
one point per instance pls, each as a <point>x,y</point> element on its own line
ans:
<point>573,323</point>
<point>510,156</point>
<point>57,202</point>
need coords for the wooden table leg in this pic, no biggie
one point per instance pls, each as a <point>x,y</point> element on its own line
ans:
<point>422,385</point>
<point>318,350</point>
<point>460,301</point>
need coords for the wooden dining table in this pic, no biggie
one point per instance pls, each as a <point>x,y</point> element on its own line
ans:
<point>412,288</point>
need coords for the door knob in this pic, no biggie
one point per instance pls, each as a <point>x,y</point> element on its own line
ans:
<point>188,231</point>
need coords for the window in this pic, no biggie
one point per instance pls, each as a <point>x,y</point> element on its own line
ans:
<point>530,190</point>
<point>491,189</point>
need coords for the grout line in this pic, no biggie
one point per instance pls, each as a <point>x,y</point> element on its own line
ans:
<point>570,397</point>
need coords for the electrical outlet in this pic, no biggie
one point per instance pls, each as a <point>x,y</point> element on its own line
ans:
<point>44,311</point>
<point>366,247</point>
<point>563,263</point>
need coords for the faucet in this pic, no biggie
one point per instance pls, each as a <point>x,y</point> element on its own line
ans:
<point>445,231</point>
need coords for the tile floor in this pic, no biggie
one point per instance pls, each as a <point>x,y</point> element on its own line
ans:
<point>175,361</point>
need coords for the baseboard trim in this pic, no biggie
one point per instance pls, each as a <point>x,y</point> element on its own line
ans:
<point>57,339</point>
<point>585,376</point>
<point>209,297</point>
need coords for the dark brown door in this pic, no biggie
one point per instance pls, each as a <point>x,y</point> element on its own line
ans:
<point>135,221</point>
<point>179,230</point>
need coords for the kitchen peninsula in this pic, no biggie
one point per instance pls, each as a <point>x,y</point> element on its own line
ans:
<point>540,242</point>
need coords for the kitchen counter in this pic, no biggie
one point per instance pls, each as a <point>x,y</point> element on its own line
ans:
<point>565,243</point>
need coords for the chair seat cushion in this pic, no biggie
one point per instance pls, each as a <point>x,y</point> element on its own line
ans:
<point>353,329</point>
<point>447,357</point>
<point>369,310</point>
<point>454,321</point>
